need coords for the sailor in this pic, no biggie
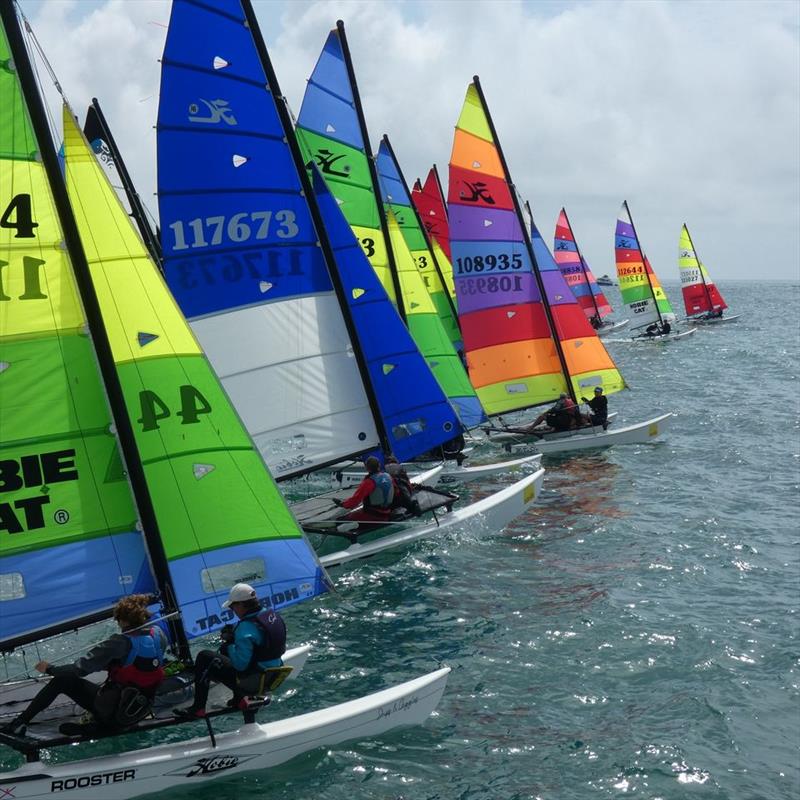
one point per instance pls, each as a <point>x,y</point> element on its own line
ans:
<point>599,407</point>
<point>376,491</point>
<point>595,321</point>
<point>134,657</point>
<point>652,330</point>
<point>665,327</point>
<point>562,416</point>
<point>404,489</point>
<point>254,644</point>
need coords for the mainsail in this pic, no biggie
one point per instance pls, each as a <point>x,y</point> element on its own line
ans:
<point>639,286</point>
<point>700,294</point>
<point>429,200</point>
<point>311,377</point>
<point>588,363</point>
<point>208,509</point>
<point>395,196</point>
<point>332,131</point>
<point>69,544</point>
<point>512,358</point>
<point>576,271</point>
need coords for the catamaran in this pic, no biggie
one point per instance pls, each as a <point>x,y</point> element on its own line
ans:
<point>293,317</point>
<point>580,279</point>
<point>526,338</point>
<point>652,317</point>
<point>127,469</point>
<point>701,297</point>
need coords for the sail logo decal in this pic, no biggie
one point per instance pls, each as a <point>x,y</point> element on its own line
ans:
<point>98,779</point>
<point>209,765</point>
<point>478,191</point>
<point>218,111</point>
<point>326,160</point>
<point>27,513</point>
<point>226,615</point>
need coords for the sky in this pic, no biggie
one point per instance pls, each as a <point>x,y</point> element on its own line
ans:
<point>689,110</point>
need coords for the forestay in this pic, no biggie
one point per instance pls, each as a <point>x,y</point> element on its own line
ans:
<point>242,256</point>
<point>576,272</point>
<point>639,286</point>
<point>68,525</point>
<point>700,294</point>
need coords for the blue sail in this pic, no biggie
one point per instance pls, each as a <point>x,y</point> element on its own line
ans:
<point>241,253</point>
<point>416,413</point>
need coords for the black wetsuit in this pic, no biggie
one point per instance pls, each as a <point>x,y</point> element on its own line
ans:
<point>599,406</point>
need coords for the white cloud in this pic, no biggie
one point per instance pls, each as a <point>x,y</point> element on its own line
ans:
<point>691,111</point>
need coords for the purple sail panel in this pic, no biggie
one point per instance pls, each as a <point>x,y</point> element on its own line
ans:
<point>482,292</point>
<point>483,224</point>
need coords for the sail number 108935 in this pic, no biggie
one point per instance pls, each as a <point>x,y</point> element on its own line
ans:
<point>237,228</point>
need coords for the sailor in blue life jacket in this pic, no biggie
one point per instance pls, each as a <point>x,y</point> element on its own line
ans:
<point>254,644</point>
<point>134,657</point>
<point>376,492</point>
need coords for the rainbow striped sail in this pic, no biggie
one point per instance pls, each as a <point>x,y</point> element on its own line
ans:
<point>69,544</point>
<point>700,294</point>
<point>332,131</point>
<point>512,358</point>
<point>638,284</point>
<point>396,199</point>
<point>585,358</point>
<point>429,200</point>
<point>576,271</point>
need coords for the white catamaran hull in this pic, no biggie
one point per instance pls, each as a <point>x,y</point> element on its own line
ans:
<point>714,321</point>
<point>668,337</point>
<point>614,326</point>
<point>452,472</point>
<point>251,747</point>
<point>492,513</point>
<point>591,438</point>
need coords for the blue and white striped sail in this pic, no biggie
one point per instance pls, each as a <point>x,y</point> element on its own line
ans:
<point>241,253</point>
<point>415,412</point>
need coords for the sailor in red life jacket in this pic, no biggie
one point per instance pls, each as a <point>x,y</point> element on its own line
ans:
<point>376,492</point>
<point>254,644</point>
<point>562,416</point>
<point>134,657</point>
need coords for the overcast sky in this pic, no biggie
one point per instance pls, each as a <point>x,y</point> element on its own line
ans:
<point>689,110</point>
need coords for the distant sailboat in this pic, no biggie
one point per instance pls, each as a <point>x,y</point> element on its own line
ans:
<point>652,316</point>
<point>701,297</point>
<point>580,279</point>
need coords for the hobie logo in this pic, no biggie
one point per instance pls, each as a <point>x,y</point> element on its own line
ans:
<point>217,111</point>
<point>326,161</point>
<point>477,191</point>
<point>27,513</point>
<point>209,765</point>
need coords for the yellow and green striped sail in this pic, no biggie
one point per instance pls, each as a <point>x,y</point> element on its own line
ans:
<point>69,544</point>
<point>220,515</point>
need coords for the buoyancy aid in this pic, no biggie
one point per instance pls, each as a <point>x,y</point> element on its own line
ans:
<point>143,667</point>
<point>273,637</point>
<point>383,493</point>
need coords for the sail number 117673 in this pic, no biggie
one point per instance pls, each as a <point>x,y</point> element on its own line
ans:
<point>240,227</point>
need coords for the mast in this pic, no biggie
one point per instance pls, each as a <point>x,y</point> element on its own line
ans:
<point>94,318</point>
<point>583,269</point>
<point>283,114</point>
<point>527,238</point>
<point>373,170</point>
<point>137,207</point>
<point>644,264</point>
<point>441,191</point>
<point>422,229</point>
<point>700,268</point>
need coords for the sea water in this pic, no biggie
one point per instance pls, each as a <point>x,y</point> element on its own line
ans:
<point>635,634</point>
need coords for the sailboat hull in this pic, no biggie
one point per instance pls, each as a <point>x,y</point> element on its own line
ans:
<point>491,514</point>
<point>715,321</point>
<point>452,472</point>
<point>251,747</point>
<point>591,439</point>
<point>614,326</point>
